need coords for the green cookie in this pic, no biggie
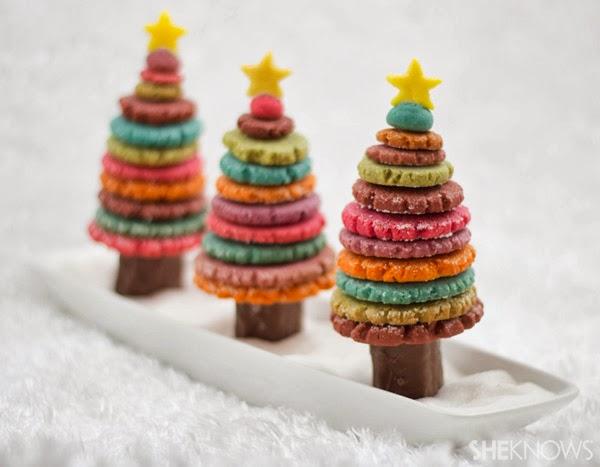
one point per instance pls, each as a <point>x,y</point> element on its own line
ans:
<point>242,253</point>
<point>149,156</point>
<point>405,293</point>
<point>165,136</point>
<point>283,151</point>
<point>405,176</point>
<point>137,228</point>
<point>253,174</point>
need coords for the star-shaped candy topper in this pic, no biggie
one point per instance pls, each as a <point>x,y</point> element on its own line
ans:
<point>413,86</point>
<point>163,33</point>
<point>265,76</point>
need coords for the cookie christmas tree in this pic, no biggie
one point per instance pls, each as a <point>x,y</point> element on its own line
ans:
<point>152,208</point>
<point>405,279</point>
<point>264,246</point>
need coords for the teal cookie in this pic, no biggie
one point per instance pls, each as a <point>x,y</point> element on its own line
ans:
<point>242,253</point>
<point>165,136</point>
<point>138,228</point>
<point>282,151</point>
<point>253,174</point>
<point>410,117</point>
<point>405,293</point>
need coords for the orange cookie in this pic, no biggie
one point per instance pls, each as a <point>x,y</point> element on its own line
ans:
<point>406,270</point>
<point>241,193</point>
<point>149,191</point>
<point>408,140</point>
<point>258,296</point>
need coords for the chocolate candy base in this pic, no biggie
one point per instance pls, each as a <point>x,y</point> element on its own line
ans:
<point>268,322</point>
<point>413,371</point>
<point>145,276</point>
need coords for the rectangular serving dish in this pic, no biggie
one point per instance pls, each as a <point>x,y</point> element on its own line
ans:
<point>316,371</point>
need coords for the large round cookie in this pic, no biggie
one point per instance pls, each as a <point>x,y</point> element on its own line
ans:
<point>125,207</point>
<point>255,174</point>
<point>152,191</point>
<point>170,173</point>
<point>156,113</point>
<point>404,176</point>
<point>149,156</point>
<point>399,200</point>
<point>284,151</point>
<point>402,227</point>
<point>384,154</point>
<point>266,214</point>
<point>164,136</point>
<point>139,228</point>
<point>241,193</point>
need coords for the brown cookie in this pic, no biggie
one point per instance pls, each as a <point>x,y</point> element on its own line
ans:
<point>265,129</point>
<point>400,200</point>
<point>392,336</point>
<point>408,140</point>
<point>129,208</point>
<point>156,113</point>
<point>388,155</point>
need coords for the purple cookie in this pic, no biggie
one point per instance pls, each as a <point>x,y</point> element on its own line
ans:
<point>266,214</point>
<point>404,249</point>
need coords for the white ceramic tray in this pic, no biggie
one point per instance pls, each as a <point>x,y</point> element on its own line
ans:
<point>317,371</point>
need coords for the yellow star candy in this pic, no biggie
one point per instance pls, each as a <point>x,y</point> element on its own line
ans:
<point>265,77</point>
<point>413,86</point>
<point>163,33</point>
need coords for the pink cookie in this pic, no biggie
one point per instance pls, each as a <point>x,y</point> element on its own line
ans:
<point>160,78</point>
<point>290,233</point>
<point>145,247</point>
<point>266,214</point>
<point>401,227</point>
<point>172,173</point>
<point>373,247</point>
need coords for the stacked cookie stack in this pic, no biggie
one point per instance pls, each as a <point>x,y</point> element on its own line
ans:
<point>264,246</point>
<point>405,277</point>
<point>152,208</point>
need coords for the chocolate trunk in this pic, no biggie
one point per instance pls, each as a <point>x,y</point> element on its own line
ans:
<point>143,276</point>
<point>268,322</point>
<point>413,371</point>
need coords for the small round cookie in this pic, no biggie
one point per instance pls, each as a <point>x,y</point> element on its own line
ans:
<point>157,92</point>
<point>144,247</point>
<point>156,113</point>
<point>137,228</point>
<point>400,139</point>
<point>402,227</point>
<point>171,173</point>
<point>284,151</point>
<point>266,215</point>
<point>401,176</point>
<point>234,191</point>
<point>396,315</point>
<point>398,200</point>
<point>392,336</point>
<point>266,107</point>
<point>166,136</point>
<point>405,294</point>
<point>160,78</point>
<point>388,155</point>
<point>150,211</point>
<point>150,156</point>
<point>152,191</point>
<point>254,174</point>
<point>254,127</point>
<point>266,277</point>
<point>162,61</point>
<point>410,117</point>
<point>262,296</point>
<point>239,253</point>
<point>404,250</point>
<point>290,233</point>
<point>406,270</point>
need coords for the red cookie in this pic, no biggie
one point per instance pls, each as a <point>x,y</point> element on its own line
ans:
<point>162,61</point>
<point>373,247</point>
<point>401,200</point>
<point>401,227</point>
<point>266,107</point>
<point>392,336</point>
<point>389,155</point>
<point>265,129</point>
<point>160,78</point>
<point>289,233</point>
<point>266,277</point>
<point>156,113</point>
<point>130,208</point>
